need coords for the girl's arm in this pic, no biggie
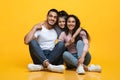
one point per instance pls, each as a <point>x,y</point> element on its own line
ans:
<point>77,32</point>
<point>62,37</point>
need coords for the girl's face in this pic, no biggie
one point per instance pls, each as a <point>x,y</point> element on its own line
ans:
<point>71,23</point>
<point>61,22</point>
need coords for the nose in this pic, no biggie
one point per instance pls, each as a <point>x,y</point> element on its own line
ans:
<point>52,18</point>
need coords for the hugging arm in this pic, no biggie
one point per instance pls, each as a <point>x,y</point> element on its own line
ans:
<point>30,35</point>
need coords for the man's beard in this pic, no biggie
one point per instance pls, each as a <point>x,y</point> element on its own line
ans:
<point>51,24</point>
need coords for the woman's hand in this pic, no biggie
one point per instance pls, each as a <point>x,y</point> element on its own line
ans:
<point>80,60</point>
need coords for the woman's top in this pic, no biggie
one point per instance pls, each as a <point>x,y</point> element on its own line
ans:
<point>72,48</point>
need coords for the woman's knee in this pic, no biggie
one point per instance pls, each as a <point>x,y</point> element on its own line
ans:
<point>80,42</point>
<point>66,55</point>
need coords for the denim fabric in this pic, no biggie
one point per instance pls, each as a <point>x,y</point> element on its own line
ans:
<point>39,56</point>
<point>71,59</point>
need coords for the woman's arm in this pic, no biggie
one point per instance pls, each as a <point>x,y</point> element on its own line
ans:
<point>85,48</point>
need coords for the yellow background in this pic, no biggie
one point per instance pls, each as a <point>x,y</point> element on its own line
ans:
<point>101,18</point>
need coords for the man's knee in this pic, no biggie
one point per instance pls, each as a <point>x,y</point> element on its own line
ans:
<point>61,44</point>
<point>33,42</point>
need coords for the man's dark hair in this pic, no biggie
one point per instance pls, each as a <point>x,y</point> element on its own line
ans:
<point>52,10</point>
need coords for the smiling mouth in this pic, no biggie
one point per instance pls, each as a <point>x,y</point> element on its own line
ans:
<point>51,21</point>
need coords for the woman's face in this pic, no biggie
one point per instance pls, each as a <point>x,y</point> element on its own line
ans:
<point>61,22</point>
<point>71,23</point>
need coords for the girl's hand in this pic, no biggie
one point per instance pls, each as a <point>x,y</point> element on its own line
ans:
<point>68,43</point>
<point>72,40</point>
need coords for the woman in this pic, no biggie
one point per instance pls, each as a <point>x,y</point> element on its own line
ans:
<point>77,54</point>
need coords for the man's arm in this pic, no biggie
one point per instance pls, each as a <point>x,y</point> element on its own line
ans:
<point>30,35</point>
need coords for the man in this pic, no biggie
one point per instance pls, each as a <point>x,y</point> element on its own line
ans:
<point>43,50</point>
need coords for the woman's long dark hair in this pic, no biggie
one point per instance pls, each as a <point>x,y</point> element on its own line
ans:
<point>75,29</point>
<point>76,26</point>
<point>87,34</point>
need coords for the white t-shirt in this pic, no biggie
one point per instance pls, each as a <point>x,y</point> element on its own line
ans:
<point>46,38</point>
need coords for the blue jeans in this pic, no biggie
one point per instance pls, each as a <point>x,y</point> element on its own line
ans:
<point>39,56</point>
<point>71,59</point>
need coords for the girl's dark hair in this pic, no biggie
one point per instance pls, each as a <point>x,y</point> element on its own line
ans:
<point>62,13</point>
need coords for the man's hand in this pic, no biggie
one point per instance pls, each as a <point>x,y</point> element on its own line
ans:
<point>38,27</point>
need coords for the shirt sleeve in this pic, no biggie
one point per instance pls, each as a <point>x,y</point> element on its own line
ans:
<point>36,34</point>
<point>85,41</point>
<point>62,37</point>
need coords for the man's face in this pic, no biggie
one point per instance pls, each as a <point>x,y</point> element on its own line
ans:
<point>52,18</point>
